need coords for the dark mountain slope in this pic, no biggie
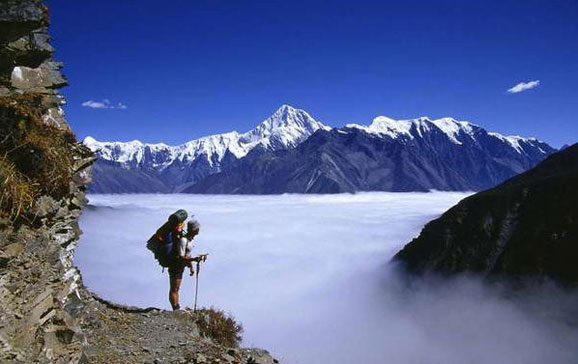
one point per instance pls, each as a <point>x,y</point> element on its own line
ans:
<point>111,177</point>
<point>526,226</point>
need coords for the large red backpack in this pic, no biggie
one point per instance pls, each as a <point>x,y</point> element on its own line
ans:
<point>162,241</point>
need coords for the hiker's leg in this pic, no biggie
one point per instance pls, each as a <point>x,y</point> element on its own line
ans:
<point>171,299</point>
<point>174,292</point>
<point>176,275</point>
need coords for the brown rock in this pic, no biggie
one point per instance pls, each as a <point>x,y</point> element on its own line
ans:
<point>84,162</point>
<point>41,309</point>
<point>46,76</point>
<point>55,117</point>
<point>79,200</point>
<point>45,206</point>
<point>13,250</point>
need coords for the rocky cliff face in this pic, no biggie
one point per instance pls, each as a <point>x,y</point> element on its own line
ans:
<point>527,226</point>
<point>46,314</point>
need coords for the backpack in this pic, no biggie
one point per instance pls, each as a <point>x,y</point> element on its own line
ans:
<point>162,241</point>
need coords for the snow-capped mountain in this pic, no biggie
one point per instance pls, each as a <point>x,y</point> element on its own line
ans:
<point>387,155</point>
<point>292,152</point>
<point>457,132</point>
<point>286,128</point>
<point>187,163</point>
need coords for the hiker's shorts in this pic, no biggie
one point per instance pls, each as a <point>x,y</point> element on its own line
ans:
<point>176,270</point>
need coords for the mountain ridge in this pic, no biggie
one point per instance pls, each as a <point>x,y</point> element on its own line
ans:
<point>123,166</point>
<point>351,159</point>
<point>126,167</point>
<point>286,127</point>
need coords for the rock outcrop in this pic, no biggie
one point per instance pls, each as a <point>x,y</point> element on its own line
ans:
<point>527,226</point>
<point>46,313</point>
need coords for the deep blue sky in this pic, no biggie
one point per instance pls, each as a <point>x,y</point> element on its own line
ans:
<point>189,68</point>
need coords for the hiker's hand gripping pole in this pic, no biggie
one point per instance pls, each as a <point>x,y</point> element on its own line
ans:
<point>201,258</point>
<point>197,259</point>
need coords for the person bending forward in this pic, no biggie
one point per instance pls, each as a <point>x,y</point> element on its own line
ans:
<point>180,260</point>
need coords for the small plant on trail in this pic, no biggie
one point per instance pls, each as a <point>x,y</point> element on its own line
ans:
<point>218,325</point>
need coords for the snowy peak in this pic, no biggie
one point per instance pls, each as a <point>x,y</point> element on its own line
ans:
<point>212,146</point>
<point>455,129</point>
<point>413,128</point>
<point>385,125</point>
<point>456,132</point>
<point>382,125</point>
<point>286,128</point>
<point>285,116</point>
<point>130,153</point>
<point>289,117</point>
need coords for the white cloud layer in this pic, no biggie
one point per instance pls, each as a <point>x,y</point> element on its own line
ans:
<point>308,278</point>
<point>523,86</point>
<point>104,104</point>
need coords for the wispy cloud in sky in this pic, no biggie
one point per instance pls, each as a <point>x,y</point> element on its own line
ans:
<point>104,104</point>
<point>523,86</point>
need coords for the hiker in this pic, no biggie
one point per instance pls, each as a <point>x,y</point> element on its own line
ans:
<point>181,259</point>
<point>172,249</point>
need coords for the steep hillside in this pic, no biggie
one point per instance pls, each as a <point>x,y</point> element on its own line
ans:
<point>113,177</point>
<point>526,226</point>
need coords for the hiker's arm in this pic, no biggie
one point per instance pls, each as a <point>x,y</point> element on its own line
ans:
<point>193,259</point>
<point>181,247</point>
<point>200,257</point>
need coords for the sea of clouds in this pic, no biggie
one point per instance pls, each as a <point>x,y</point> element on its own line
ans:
<point>308,277</point>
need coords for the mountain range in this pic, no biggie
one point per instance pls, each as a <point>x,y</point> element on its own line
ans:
<point>292,152</point>
<point>139,167</point>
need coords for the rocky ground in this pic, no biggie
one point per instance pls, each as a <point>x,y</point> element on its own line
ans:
<point>46,313</point>
<point>131,335</point>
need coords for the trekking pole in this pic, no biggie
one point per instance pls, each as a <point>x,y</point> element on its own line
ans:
<point>197,285</point>
<point>203,258</point>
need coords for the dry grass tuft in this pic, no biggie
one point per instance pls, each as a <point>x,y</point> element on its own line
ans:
<point>17,193</point>
<point>219,326</point>
<point>35,158</point>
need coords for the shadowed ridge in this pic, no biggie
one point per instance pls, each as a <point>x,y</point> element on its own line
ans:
<point>527,226</point>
